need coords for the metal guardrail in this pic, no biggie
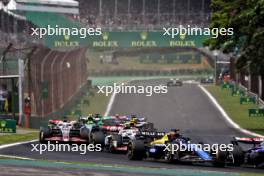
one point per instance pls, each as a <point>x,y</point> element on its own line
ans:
<point>260,101</point>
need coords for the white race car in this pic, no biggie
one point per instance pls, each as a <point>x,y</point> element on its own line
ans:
<point>119,141</point>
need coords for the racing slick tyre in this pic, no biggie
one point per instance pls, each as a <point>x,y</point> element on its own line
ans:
<point>220,158</point>
<point>84,133</point>
<point>44,133</point>
<point>136,150</point>
<point>171,157</point>
<point>98,137</point>
<point>238,155</point>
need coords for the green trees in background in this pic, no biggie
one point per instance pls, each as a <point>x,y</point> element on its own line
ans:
<point>246,17</point>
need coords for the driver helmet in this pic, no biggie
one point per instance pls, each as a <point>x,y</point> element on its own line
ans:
<point>90,117</point>
<point>134,121</point>
<point>127,125</point>
<point>174,134</point>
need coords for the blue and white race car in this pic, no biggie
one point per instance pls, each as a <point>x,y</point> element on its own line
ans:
<point>253,155</point>
<point>169,148</point>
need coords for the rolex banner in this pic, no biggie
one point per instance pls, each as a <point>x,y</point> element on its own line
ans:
<point>126,40</point>
<point>49,24</point>
<point>7,126</point>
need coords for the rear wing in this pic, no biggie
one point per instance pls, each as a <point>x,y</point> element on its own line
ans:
<point>112,128</point>
<point>149,134</point>
<point>247,140</point>
<point>54,122</point>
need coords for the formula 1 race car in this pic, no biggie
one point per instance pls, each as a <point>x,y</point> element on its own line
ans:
<point>63,131</point>
<point>94,119</point>
<point>73,132</point>
<point>119,141</point>
<point>174,82</point>
<point>138,118</point>
<point>127,118</point>
<point>112,126</point>
<point>165,149</point>
<point>140,124</point>
<point>208,80</point>
<point>253,155</point>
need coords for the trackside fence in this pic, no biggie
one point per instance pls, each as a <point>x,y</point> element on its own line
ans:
<point>55,77</point>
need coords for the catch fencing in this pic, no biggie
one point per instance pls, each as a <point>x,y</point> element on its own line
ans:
<point>54,78</point>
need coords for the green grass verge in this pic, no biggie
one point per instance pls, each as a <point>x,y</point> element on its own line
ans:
<point>93,102</point>
<point>112,169</point>
<point>12,138</point>
<point>133,63</point>
<point>250,174</point>
<point>236,111</point>
<point>98,102</point>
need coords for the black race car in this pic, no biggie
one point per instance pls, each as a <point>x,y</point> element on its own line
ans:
<point>174,82</point>
<point>253,155</point>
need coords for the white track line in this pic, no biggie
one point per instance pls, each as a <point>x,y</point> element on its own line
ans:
<point>15,144</point>
<point>110,104</point>
<point>227,118</point>
<point>112,99</point>
<point>16,157</point>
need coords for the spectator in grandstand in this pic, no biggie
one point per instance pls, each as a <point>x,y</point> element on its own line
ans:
<point>132,16</point>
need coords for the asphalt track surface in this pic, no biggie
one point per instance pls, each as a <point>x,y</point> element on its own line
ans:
<point>186,108</point>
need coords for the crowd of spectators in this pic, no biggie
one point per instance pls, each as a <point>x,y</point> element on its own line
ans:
<point>14,30</point>
<point>144,14</point>
<point>120,15</point>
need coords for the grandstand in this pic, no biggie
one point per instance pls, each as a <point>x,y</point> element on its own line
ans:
<point>149,15</point>
<point>27,68</point>
<point>14,25</point>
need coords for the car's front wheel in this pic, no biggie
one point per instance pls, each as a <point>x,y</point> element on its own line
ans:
<point>136,150</point>
<point>220,159</point>
<point>44,133</point>
<point>238,156</point>
<point>98,137</point>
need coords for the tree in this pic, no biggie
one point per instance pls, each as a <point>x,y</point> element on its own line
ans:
<point>246,18</point>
